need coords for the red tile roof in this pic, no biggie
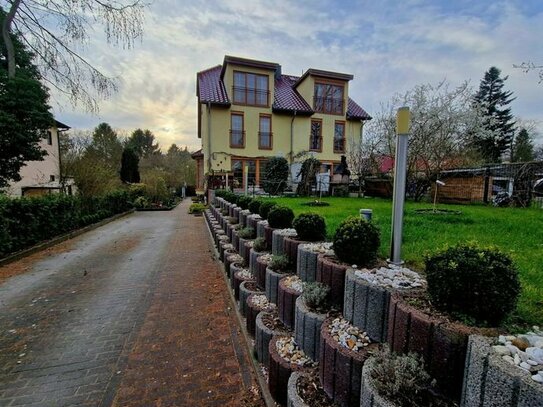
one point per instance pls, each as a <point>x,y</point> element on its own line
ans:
<point>210,89</point>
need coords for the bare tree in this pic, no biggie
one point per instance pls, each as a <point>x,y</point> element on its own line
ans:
<point>530,66</point>
<point>53,30</point>
<point>363,157</point>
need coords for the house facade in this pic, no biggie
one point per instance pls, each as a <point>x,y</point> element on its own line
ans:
<point>41,177</point>
<point>248,112</point>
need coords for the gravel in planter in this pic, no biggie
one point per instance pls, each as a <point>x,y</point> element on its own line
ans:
<point>331,271</point>
<point>308,253</point>
<point>262,263</point>
<point>492,381</point>
<point>260,228</point>
<point>285,358</point>
<point>414,326</point>
<point>229,259</point>
<point>305,390</point>
<point>224,247</point>
<point>343,351</point>
<point>268,324</point>
<point>367,296</point>
<point>246,288</point>
<point>255,304</point>
<point>220,235</point>
<point>278,237</point>
<point>307,329</point>
<point>290,288</point>
<point>238,274</point>
<point>272,283</point>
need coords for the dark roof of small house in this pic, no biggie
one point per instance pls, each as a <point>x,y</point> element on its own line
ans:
<point>60,125</point>
<point>210,89</point>
<point>197,154</point>
<point>324,74</point>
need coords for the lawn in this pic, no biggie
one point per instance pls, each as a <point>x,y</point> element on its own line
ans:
<point>516,231</point>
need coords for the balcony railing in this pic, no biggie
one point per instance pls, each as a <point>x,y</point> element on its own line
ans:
<point>339,145</point>
<point>328,105</point>
<point>315,143</point>
<point>265,140</point>
<point>237,138</point>
<point>250,96</point>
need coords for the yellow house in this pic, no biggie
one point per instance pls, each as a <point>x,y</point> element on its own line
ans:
<point>248,111</point>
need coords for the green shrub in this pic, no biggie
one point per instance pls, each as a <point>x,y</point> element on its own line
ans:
<point>254,205</point>
<point>402,379</point>
<point>265,208</point>
<point>315,295</point>
<point>243,201</point>
<point>260,244</point>
<point>310,227</point>
<point>275,176</point>
<point>247,233</point>
<point>279,263</point>
<point>141,202</point>
<point>471,282</point>
<point>280,217</point>
<point>356,242</point>
<point>197,208</point>
<point>220,193</point>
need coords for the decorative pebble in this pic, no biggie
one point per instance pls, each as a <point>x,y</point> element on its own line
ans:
<point>266,258</point>
<point>321,247</point>
<point>261,301</point>
<point>348,335</point>
<point>538,378</point>
<point>235,258</point>
<point>394,276</point>
<point>295,283</point>
<point>288,350</point>
<point>244,274</point>
<point>287,232</point>
<point>501,350</point>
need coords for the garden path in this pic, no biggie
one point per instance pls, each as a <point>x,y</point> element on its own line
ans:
<point>132,313</point>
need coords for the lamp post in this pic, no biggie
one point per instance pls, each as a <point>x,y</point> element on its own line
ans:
<point>403,118</point>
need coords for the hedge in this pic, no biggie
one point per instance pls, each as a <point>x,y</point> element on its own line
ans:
<point>27,221</point>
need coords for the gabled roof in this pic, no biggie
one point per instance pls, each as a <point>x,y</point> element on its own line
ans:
<point>61,126</point>
<point>210,87</point>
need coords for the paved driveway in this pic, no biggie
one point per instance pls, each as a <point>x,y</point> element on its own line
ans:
<point>69,325</point>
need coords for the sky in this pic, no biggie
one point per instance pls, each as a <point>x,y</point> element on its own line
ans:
<point>389,47</point>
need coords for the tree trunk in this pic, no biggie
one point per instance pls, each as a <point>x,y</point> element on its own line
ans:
<point>6,28</point>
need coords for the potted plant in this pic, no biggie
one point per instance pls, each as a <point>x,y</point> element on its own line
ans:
<point>356,242</point>
<point>278,268</point>
<point>470,291</point>
<point>279,217</point>
<point>311,311</point>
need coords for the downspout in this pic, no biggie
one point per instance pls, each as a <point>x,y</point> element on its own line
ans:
<point>209,166</point>
<point>291,155</point>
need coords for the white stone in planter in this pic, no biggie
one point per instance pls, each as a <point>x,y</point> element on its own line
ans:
<point>348,335</point>
<point>278,236</point>
<point>306,266</point>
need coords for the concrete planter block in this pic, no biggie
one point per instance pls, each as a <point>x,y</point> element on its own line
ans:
<point>268,236</point>
<point>235,212</point>
<point>366,306</point>
<point>260,228</point>
<point>263,336</point>
<point>293,398</point>
<point>246,288</point>
<point>252,221</point>
<point>235,239</point>
<point>331,272</point>
<point>244,249</point>
<point>306,264</point>
<point>218,233</point>
<point>307,329</point>
<point>443,344</point>
<point>290,247</point>
<point>260,274</point>
<point>231,256</point>
<point>286,303</point>
<point>253,256</point>
<point>368,393</point>
<point>277,242</point>
<point>229,230</point>
<point>223,246</point>
<point>340,369</point>
<point>252,312</point>
<point>236,279</point>
<point>272,284</point>
<point>231,210</point>
<point>489,381</point>
<point>279,373</point>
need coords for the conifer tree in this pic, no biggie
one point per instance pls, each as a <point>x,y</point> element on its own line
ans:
<point>523,147</point>
<point>493,101</point>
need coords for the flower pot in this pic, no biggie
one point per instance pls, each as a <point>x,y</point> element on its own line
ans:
<point>252,312</point>
<point>267,325</point>
<point>272,284</point>
<point>279,372</point>
<point>286,303</point>
<point>490,381</point>
<point>246,288</point>
<point>442,343</point>
<point>340,369</point>
<point>307,329</point>
<point>331,272</point>
<point>238,274</point>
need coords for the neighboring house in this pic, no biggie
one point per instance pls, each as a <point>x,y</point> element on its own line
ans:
<point>41,177</point>
<point>248,111</point>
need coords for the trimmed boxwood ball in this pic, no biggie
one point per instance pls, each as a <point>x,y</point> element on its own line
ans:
<point>280,217</point>
<point>254,206</point>
<point>265,208</point>
<point>479,285</point>
<point>310,227</point>
<point>356,242</point>
<point>243,201</point>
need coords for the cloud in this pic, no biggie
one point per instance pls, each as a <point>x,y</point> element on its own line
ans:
<point>388,46</point>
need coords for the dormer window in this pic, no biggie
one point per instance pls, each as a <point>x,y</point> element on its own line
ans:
<point>328,98</point>
<point>251,89</point>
